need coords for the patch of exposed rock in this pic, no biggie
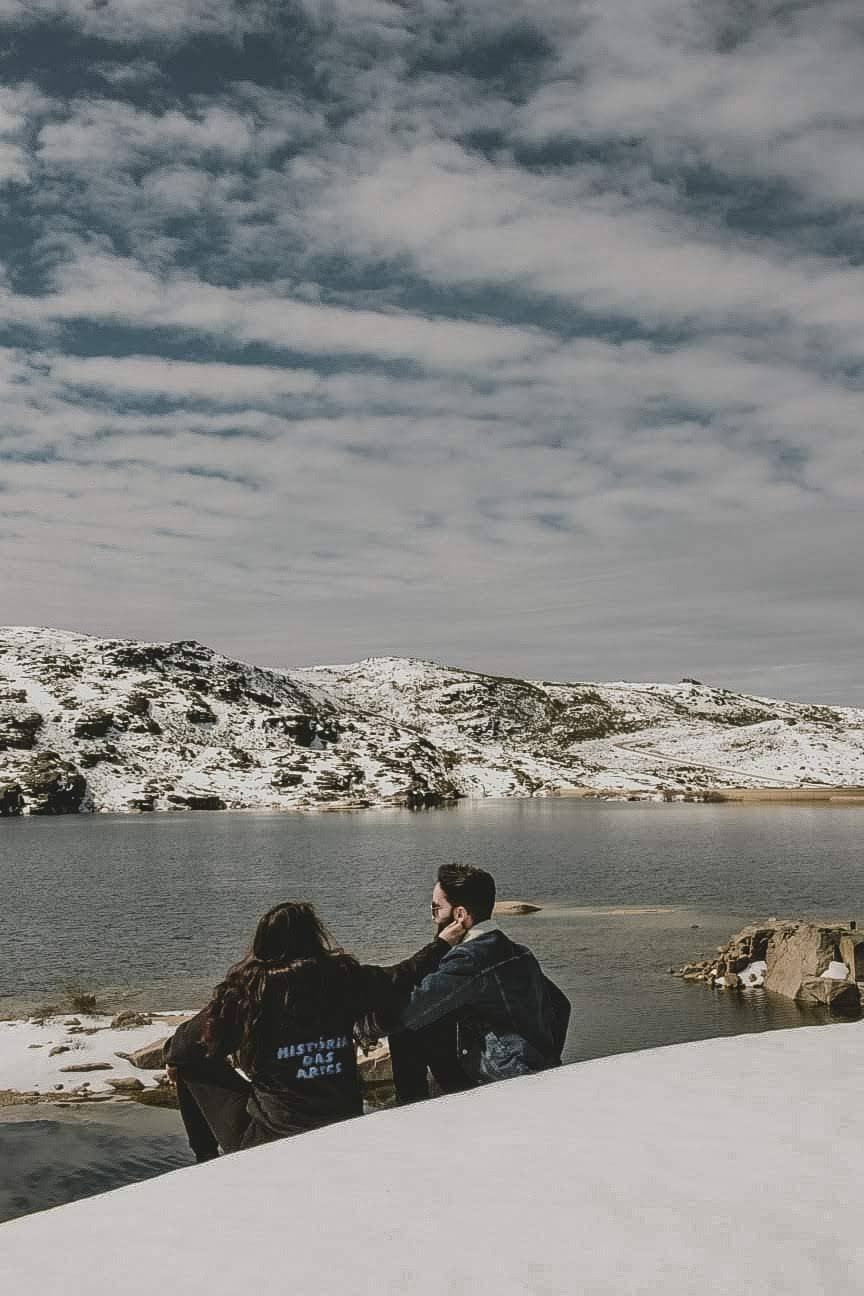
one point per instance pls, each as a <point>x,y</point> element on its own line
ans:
<point>812,963</point>
<point>51,785</point>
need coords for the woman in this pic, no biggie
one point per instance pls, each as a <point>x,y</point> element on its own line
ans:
<point>286,1013</point>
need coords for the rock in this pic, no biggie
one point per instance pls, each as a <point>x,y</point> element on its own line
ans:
<point>11,800</point>
<point>513,907</point>
<point>730,980</point>
<point>148,1058</point>
<point>52,786</point>
<point>376,1077</point>
<point>126,1020</point>
<point>126,1084</point>
<point>375,1067</point>
<point>90,1066</point>
<point>839,996</point>
<point>18,728</point>
<point>163,1096</point>
<point>73,1021</point>
<point>59,1048</point>
<point>796,952</point>
<point>93,724</point>
<point>752,975</point>
<point>197,801</point>
<point>200,713</point>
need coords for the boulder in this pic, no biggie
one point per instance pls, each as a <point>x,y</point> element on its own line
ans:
<point>514,907</point>
<point>18,728</point>
<point>125,1084</point>
<point>795,952</point>
<point>11,800</point>
<point>127,1020</point>
<point>95,723</point>
<point>59,1048</point>
<point>161,1096</point>
<point>197,801</point>
<point>90,1066</point>
<point>52,786</point>
<point>150,1057</point>
<point>839,996</point>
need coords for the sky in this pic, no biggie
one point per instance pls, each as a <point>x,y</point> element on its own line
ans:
<point>522,336</point>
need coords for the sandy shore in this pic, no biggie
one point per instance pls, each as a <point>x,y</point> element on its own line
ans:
<point>806,795</point>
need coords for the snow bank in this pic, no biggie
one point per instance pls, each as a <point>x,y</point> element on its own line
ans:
<point>31,1060</point>
<point>719,1166</point>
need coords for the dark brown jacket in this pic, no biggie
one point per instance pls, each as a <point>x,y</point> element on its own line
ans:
<point>304,1070</point>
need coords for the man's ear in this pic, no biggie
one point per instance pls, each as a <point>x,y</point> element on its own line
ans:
<point>461,914</point>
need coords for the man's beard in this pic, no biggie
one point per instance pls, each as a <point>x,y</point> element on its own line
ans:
<point>442,923</point>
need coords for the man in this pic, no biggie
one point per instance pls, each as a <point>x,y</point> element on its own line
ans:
<point>487,1012</point>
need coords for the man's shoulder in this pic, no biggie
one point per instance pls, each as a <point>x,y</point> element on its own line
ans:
<point>486,950</point>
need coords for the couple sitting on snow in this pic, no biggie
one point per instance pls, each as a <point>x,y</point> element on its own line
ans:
<point>471,1007</point>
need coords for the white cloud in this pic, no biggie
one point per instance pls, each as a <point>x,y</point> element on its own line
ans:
<point>280,382</point>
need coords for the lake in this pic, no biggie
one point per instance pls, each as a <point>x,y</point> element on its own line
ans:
<point>148,911</point>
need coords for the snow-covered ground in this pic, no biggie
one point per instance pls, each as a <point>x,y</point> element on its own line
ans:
<point>115,725</point>
<point>36,1054</point>
<point>731,1165</point>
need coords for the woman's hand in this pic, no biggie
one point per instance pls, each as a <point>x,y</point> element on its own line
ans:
<point>454,933</point>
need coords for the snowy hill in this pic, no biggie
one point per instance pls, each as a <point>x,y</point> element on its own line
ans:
<point>511,737</point>
<point>108,724</point>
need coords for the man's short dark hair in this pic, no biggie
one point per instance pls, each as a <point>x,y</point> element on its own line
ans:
<point>472,887</point>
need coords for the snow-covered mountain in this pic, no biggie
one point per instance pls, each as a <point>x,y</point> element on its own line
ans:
<point>108,724</point>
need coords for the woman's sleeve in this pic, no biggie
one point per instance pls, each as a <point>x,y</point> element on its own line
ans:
<point>382,990</point>
<point>187,1045</point>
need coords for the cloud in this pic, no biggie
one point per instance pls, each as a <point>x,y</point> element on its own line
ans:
<point>528,336</point>
<point>126,21</point>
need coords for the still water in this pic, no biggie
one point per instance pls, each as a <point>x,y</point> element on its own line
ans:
<point>148,911</point>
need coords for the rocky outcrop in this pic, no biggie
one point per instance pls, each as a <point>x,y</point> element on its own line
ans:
<point>150,1057</point>
<point>797,952</point>
<point>19,727</point>
<point>52,786</point>
<point>800,960</point>
<point>514,907</point>
<point>196,800</point>
<point>11,799</point>
<point>840,996</point>
<point>129,1019</point>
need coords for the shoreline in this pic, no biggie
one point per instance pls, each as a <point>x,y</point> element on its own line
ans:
<point>834,795</point>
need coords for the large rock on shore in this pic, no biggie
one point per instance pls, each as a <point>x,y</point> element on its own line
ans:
<point>840,996</point>
<point>796,953</point>
<point>814,963</point>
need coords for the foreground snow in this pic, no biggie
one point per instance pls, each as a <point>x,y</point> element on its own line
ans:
<point>720,1166</point>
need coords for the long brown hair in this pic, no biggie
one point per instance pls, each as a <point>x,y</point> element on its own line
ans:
<point>286,970</point>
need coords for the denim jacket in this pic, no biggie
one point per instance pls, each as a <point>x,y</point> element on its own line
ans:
<point>511,1019</point>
